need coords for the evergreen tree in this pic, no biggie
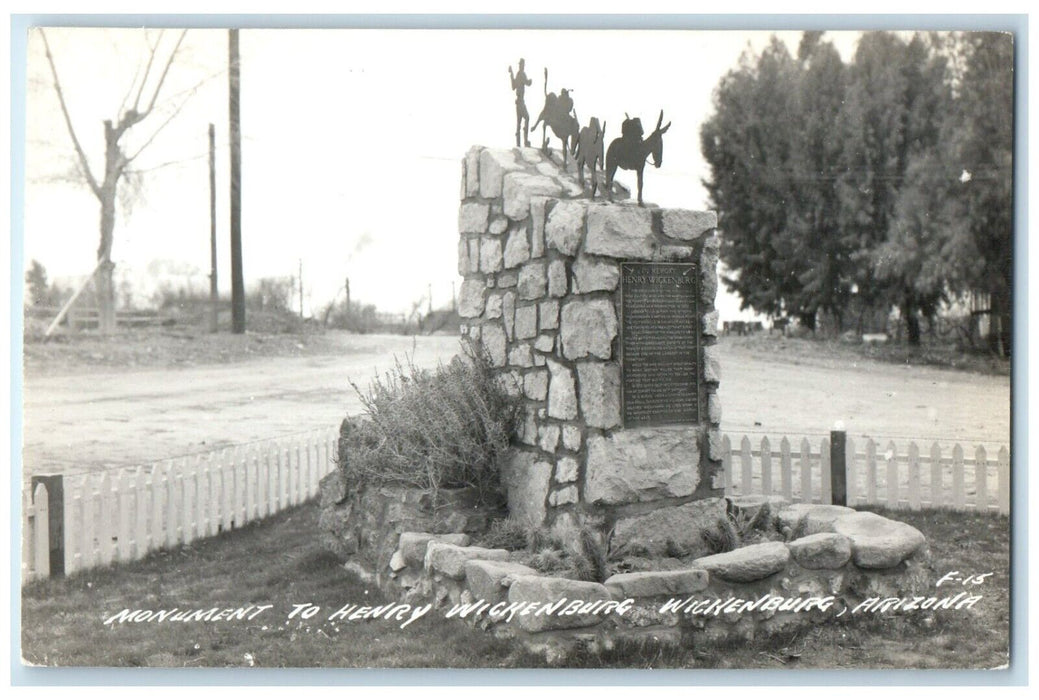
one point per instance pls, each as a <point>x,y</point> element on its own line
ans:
<point>856,188</point>
<point>747,143</point>
<point>814,211</point>
<point>36,278</point>
<point>985,151</point>
<point>873,122</point>
<point>913,267</point>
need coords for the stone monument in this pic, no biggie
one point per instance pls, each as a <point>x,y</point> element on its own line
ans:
<point>601,317</point>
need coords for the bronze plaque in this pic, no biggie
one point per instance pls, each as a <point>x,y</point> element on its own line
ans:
<point>660,344</point>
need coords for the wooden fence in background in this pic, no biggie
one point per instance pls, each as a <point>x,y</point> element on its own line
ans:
<point>878,475</point>
<point>76,522</point>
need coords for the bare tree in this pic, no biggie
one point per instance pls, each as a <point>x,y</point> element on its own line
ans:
<point>136,106</point>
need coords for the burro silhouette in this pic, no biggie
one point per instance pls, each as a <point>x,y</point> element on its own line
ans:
<point>631,150</point>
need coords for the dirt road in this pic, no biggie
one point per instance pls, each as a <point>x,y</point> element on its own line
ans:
<point>75,422</point>
<point>795,396</point>
<point>83,422</point>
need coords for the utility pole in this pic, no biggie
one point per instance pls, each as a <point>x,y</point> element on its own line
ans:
<point>237,278</point>
<point>430,293</point>
<point>347,296</point>
<point>301,289</point>
<point>214,297</point>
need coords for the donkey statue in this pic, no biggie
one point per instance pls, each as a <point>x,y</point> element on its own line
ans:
<point>590,150</point>
<point>630,151</point>
<point>557,114</point>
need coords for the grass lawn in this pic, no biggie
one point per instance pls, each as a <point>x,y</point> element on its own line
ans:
<point>280,562</point>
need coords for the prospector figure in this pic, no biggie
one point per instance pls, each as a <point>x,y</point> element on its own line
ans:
<point>630,151</point>
<point>520,81</point>
<point>590,150</point>
<point>557,114</point>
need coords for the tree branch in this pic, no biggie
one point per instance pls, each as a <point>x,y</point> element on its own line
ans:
<point>166,164</point>
<point>188,95</point>
<point>68,121</point>
<point>162,78</point>
<point>126,160</point>
<point>147,70</point>
<point>129,90</point>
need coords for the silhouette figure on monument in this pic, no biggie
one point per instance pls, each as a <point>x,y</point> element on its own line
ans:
<point>590,150</point>
<point>630,151</point>
<point>520,81</point>
<point>557,114</point>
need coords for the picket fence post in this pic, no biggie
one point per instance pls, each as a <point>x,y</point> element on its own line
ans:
<point>958,491</point>
<point>210,495</point>
<point>891,479</point>
<point>871,471</point>
<point>156,529</point>
<point>41,531</point>
<point>290,479</point>
<point>826,474</point>
<point>1004,480</point>
<point>838,468</point>
<point>108,514</point>
<point>55,487</point>
<point>28,534</point>
<point>980,479</point>
<point>252,487</point>
<point>175,517</point>
<point>227,490</point>
<point>91,546</point>
<point>236,492</point>
<point>851,472</point>
<point>766,466</point>
<point>746,467</point>
<point>74,543</point>
<point>786,476</point>
<point>268,476</point>
<point>806,471</point>
<point>727,464</point>
<point>914,476</point>
<point>142,504</point>
<point>937,488</point>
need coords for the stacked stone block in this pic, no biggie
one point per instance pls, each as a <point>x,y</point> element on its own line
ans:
<point>541,292</point>
<point>735,595</point>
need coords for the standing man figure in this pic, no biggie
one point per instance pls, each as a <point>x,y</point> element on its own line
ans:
<point>520,81</point>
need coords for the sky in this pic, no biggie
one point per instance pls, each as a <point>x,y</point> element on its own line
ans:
<point>352,144</point>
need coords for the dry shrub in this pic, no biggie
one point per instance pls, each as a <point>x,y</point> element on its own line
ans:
<point>506,534</point>
<point>583,558</point>
<point>725,539</point>
<point>433,429</point>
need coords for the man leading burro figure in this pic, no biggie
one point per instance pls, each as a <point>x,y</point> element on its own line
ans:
<point>520,81</point>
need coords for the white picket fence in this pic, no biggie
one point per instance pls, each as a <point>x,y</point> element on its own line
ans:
<point>898,479</point>
<point>121,515</point>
